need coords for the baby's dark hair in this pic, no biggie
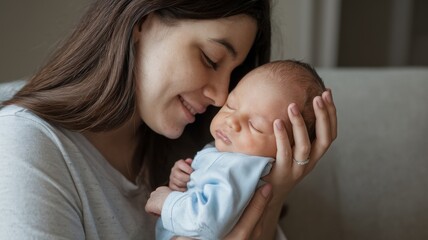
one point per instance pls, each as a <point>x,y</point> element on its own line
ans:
<point>306,75</point>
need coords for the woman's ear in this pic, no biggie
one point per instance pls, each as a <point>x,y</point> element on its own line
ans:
<point>136,32</point>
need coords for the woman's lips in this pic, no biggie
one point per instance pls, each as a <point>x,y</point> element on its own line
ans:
<point>222,136</point>
<point>188,110</point>
<point>194,107</point>
<point>187,105</point>
<point>191,109</point>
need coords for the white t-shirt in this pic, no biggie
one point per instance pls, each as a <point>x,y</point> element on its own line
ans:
<point>55,185</point>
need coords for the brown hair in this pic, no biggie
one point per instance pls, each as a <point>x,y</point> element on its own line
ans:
<point>310,80</point>
<point>88,83</point>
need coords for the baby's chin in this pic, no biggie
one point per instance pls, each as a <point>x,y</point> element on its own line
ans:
<point>222,147</point>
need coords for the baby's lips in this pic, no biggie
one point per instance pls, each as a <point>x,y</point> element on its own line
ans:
<point>223,137</point>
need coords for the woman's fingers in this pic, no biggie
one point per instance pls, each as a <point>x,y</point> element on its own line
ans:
<point>327,96</point>
<point>283,146</point>
<point>323,128</point>
<point>250,223</point>
<point>302,144</point>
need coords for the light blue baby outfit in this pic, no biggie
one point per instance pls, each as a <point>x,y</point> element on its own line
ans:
<point>219,189</point>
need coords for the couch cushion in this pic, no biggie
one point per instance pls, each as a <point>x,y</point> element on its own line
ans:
<point>8,89</point>
<point>373,182</point>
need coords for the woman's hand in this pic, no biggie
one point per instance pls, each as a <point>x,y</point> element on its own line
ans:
<point>326,127</point>
<point>287,171</point>
<point>180,175</point>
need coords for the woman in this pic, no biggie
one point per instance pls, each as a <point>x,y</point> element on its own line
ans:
<point>93,131</point>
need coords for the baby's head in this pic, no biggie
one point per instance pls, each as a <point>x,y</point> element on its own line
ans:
<point>245,123</point>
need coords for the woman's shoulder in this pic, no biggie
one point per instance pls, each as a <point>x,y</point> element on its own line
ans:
<point>18,120</point>
<point>8,89</point>
<point>22,131</point>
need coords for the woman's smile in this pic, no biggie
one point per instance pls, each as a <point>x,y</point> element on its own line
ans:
<point>187,105</point>
<point>191,109</point>
<point>188,110</point>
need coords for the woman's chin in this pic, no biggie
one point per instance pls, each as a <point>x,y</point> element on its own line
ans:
<point>172,133</point>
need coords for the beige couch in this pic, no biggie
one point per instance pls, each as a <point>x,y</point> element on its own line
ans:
<point>373,182</point>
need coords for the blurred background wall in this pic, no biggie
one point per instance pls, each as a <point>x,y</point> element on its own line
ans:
<point>340,33</point>
<point>30,30</point>
<point>327,33</point>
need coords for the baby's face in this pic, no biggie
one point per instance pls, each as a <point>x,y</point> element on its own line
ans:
<point>245,123</point>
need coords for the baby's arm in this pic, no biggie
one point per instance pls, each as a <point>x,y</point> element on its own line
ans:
<point>156,200</point>
<point>180,175</point>
<point>215,199</point>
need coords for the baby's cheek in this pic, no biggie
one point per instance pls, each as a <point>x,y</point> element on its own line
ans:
<point>270,146</point>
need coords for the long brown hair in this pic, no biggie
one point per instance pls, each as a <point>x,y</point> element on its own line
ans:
<point>88,85</point>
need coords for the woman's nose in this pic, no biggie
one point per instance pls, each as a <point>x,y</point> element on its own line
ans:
<point>233,122</point>
<point>217,90</point>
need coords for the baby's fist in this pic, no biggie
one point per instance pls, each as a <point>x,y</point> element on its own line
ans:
<point>156,200</point>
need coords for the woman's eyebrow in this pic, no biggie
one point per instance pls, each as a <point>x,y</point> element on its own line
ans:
<point>229,47</point>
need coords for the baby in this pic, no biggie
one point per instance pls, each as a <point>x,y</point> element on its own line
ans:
<point>226,174</point>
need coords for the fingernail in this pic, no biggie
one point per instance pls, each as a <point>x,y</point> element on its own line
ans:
<point>329,96</point>
<point>294,110</point>
<point>267,188</point>
<point>278,125</point>
<point>319,102</point>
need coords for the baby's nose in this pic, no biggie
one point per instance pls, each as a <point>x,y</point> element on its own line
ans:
<point>233,123</point>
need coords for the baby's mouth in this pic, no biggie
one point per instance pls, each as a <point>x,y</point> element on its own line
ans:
<point>222,136</point>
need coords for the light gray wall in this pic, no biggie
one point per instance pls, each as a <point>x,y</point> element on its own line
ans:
<point>326,35</point>
<point>306,30</point>
<point>29,31</point>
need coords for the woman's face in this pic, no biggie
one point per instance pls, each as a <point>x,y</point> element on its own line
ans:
<point>184,67</point>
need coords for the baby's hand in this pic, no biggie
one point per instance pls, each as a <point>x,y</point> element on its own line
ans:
<point>156,200</point>
<point>180,175</point>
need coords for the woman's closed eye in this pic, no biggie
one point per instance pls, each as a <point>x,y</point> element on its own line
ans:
<point>209,62</point>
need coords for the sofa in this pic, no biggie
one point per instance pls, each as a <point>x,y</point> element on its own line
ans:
<point>373,182</point>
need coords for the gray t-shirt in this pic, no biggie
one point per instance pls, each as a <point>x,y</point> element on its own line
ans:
<point>55,185</point>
